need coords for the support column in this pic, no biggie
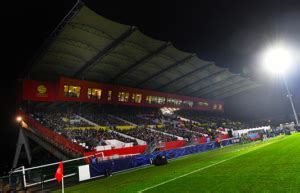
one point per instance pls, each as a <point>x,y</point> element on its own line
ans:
<point>22,140</point>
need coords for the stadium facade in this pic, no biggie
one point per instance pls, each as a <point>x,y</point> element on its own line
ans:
<point>89,61</point>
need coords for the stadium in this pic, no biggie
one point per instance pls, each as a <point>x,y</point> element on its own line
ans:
<point>103,106</point>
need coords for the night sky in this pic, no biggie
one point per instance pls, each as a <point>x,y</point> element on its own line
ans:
<point>232,33</point>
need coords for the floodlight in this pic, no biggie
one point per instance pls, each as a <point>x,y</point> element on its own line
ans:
<point>277,59</point>
<point>19,118</point>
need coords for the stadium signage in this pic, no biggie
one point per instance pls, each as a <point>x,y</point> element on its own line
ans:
<point>42,91</point>
<point>34,90</point>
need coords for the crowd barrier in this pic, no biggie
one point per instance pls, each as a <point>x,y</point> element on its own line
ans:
<point>140,149</point>
<point>172,145</point>
<point>202,140</point>
<point>99,169</point>
<point>224,136</point>
<point>199,140</point>
<point>243,131</point>
<point>254,136</point>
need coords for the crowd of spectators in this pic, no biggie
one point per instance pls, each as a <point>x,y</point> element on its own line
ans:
<point>57,121</point>
<point>93,138</point>
<point>133,118</point>
<point>212,120</point>
<point>181,132</point>
<point>103,119</point>
<point>136,115</point>
<point>148,135</point>
<point>61,121</point>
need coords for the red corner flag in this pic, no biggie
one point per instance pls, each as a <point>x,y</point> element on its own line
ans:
<point>59,172</point>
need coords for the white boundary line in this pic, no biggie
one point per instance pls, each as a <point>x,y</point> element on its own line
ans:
<point>200,169</point>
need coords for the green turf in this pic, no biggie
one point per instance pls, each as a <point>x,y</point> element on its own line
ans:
<point>272,166</point>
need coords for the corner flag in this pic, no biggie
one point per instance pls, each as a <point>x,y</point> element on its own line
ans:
<point>59,172</point>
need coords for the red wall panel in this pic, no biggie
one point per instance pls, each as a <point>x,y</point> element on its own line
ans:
<point>38,90</point>
<point>116,88</point>
<point>32,90</point>
<point>121,151</point>
<point>199,140</point>
<point>173,144</point>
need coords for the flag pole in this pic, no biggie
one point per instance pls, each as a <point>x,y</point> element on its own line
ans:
<point>62,185</point>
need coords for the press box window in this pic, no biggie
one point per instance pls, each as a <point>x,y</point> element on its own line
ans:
<point>123,96</point>
<point>172,101</point>
<point>109,95</point>
<point>72,91</point>
<point>136,98</point>
<point>94,93</point>
<point>220,107</point>
<point>203,104</point>
<point>188,103</point>
<point>155,100</point>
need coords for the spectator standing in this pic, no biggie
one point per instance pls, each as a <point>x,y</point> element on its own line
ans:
<point>218,141</point>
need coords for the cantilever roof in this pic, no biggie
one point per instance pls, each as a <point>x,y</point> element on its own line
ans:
<point>88,46</point>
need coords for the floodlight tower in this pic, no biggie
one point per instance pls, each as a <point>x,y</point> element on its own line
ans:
<point>289,95</point>
<point>278,60</point>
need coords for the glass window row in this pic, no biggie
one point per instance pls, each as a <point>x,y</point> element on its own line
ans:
<point>96,93</point>
<point>72,91</point>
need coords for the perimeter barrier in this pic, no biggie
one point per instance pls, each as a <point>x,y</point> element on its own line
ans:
<point>77,170</point>
<point>101,168</point>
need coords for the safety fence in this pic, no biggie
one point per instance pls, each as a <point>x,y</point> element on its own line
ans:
<point>172,145</point>
<point>74,169</point>
<point>140,149</point>
<point>23,178</point>
<point>101,168</point>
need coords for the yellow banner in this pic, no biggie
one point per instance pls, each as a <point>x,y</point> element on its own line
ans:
<point>125,127</point>
<point>103,128</point>
<point>159,126</point>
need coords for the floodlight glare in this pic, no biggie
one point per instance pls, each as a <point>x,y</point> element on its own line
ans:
<point>277,60</point>
<point>19,118</point>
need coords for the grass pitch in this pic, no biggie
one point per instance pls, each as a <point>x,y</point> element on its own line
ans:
<point>271,166</point>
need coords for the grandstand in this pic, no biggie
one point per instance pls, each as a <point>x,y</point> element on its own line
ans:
<point>97,88</point>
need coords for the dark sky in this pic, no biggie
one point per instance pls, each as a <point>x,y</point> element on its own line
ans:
<point>230,32</point>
